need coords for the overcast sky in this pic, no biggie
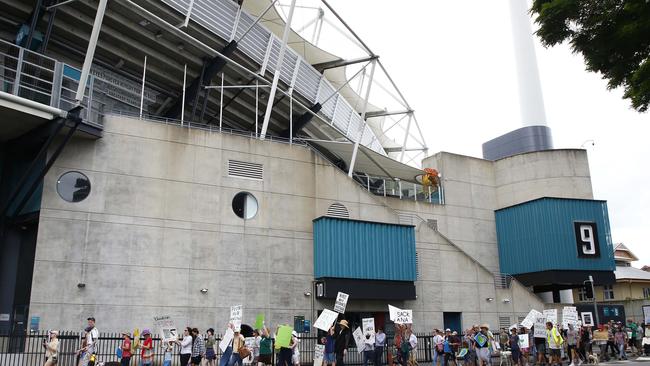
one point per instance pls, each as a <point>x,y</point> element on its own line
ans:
<point>454,62</point>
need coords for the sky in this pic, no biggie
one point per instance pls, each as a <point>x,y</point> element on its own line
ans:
<point>454,62</point>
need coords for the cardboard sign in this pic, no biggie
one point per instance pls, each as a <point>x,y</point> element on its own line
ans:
<point>600,335</point>
<point>551,315</point>
<point>325,320</point>
<point>569,316</point>
<point>404,317</point>
<point>319,354</point>
<point>540,327</point>
<point>250,344</point>
<point>359,339</point>
<point>236,316</point>
<point>392,312</point>
<point>341,302</point>
<point>226,339</point>
<point>587,319</point>
<point>529,321</point>
<point>523,341</point>
<point>283,339</point>
<point>166,328</point>
<point>259,321</point>
<point>368,328</point>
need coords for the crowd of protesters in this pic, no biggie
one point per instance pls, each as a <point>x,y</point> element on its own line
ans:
<point>476,346</point>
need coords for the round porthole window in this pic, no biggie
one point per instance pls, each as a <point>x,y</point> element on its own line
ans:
<point>244,205</point>
<point>73,186</point>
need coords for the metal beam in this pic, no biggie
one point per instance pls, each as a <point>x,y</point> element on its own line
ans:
<point>90,52</point>
<point>341,63</point>
<point>373,114</point>
<point>398,149</point>
<point>363,119</point>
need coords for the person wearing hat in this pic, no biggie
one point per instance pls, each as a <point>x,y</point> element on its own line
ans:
<point>126,350</point>
<point>295,356</point>
<point>341,342</point>
<point>51,348</point>
<point>481,340</point>
<point>146,354</point>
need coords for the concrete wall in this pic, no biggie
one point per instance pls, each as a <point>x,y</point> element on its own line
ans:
<point>158,227</point>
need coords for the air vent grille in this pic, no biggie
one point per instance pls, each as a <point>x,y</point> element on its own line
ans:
<point>504,322</point>
<point>338,210</point>
<point>242,169</point>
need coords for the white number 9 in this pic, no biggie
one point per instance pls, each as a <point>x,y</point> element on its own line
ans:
<point>587,237</point>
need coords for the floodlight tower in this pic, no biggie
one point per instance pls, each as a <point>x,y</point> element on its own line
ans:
<point>534,135</point>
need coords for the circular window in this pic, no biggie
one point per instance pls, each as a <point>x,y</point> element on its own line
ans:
<point>245,205</point>
<point>73,186</point>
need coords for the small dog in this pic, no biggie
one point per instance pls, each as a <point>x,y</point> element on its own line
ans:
<point>505,356</point>
<point>592,359</point>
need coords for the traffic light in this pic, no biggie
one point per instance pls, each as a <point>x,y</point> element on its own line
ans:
<point>589,289</point>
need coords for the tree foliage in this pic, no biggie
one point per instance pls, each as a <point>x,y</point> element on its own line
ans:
<point>613,36</point>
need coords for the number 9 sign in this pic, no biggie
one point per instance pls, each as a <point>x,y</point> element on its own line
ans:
<point>587,239</point>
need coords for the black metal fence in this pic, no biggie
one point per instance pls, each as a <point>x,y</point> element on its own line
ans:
<point>28,350</point>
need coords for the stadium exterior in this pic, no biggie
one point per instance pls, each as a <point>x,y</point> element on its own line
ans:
<point>175,200</point>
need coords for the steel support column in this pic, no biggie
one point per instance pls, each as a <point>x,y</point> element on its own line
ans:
<point>90,52</point>
<point>363,120</point>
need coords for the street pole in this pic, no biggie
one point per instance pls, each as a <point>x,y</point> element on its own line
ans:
<point>591,280</point>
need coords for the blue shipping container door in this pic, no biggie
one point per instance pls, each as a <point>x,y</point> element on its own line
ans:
<point>363,250</point>
<point>554,234</point>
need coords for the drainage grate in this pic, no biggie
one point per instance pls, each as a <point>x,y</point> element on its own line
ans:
<point>242,169</point>
<point>338,210</point>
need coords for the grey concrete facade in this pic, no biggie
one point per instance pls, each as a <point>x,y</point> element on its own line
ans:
<point>158,226</point>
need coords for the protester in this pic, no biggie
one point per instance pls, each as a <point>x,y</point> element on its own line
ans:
<point>620,339</point>
<point>572,344</point>
<point>503,338</point>
<point>555,341</point>
<point>468,341</point>
<point>146,354</point>
<point>610,339</point>
<point>448,348</point>
<point>632,328</point>
<point>368,350</point>
<point>341,342</point>
<point>198,347</point>
<point>126,350</point>
<point>51,346</point>
<point>90,345</point>
<point>380,343</point>
<point>525,351</point>
<point>513,343</point>
<point>540,349</point>
<point>266,348</point>
<point>481,340</point>
<point>285,355</point>
<point>186,346</point>
<point>238,342</point>
<point>295,342</point>
<point>210,355</point>
<point>584,344</point>
<point>438,347</point>
<point>256,346</point>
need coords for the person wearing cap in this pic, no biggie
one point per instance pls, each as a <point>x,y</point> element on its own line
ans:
<point>51,348</point>
<point>90,347</point>
<point>448,349</point>
<point>341,342</point>
<point>146,353</point>
<point>126,350</point>
<point>555,341</point>
<point>482,344</point>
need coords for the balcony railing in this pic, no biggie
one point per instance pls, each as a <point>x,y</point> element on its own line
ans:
<point>44,80</point>
<point>403,190</point>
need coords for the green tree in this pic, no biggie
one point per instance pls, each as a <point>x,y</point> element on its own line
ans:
<point>613,36</point>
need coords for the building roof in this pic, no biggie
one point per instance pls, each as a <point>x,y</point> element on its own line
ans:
<point>623,253</point>
<point>631,273</point>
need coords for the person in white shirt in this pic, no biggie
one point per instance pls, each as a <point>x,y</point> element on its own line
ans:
<point>295,358</point>
<point>380,343</point>
<point>438,346</point>
<point>90,348</point>
<point>186,346</point>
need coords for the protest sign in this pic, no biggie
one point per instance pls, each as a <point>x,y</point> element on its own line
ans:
<point>587,319</point>
<point>283,338</point>
<point>259,321</point>
<point>358,339</point>
<point>164,326</point>
<point>404,317</point>
<point>250,344</point>
<point>523,341</point>
<point>569,316</point>
<point>646,314</point>
<point>226,339</point>
<point>236,316</point>
<point>341,302</point>
<point>319,353</point>
<point>392,312</point>
<point>540,327</point>
<point>600,335</point>
<point>369,328</point>
<point>325,320</point>
<point>529,321</point>
<point>551,315</point>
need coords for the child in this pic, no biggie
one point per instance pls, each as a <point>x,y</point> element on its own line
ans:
<point>167,358</point>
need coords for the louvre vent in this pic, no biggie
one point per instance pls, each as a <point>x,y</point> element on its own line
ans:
<point>338,210</point>
<point>417,266</point>
<point>242,169</point>
<point>504,322</point>
<point>520,319</point>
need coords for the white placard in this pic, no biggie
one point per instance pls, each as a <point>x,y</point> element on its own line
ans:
<point>569,316</point>
<point>392,312</point>
<point>4,317</point>
<point>319,353</point>
<point>369,328</point>
<point>250,344</point>
<point>551,315</point>
<point>341,302</point>
<point>529,321</point>
<point>358,339</point>
<point>236,316</point>
<point>646,314</point>
<point>166,328</point>
<point>587,319</point>
<point>226,339</point>
<point>404,317</point>
<point>325,320</point>
<point>540,327</point>
<point>523,341</point>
